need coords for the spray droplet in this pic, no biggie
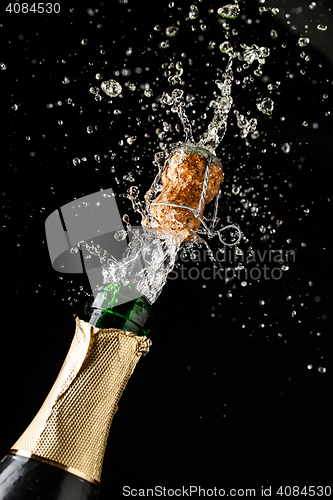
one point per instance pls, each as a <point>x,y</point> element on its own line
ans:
<point>171,31</point>
<point>164,45</point>
<point>148,92</point>
<point>120,235</point>
<point>302,42</point>
<point>111,88</point>
<point>286,147</point>
<point>266,106</point>
<point>230,11</point>
<point>193,12</point>
<point>226,48</point>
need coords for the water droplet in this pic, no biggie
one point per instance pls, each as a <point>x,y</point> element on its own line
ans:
<point>130,140</point>
<point>193,12</point>
<point>125,71</point>
<point>230,11</point>
<point>226,48</point>
<point>164,45</point>
<point>84,41</point>
<point>274,34</point>
<point>90,129</point>
<point>310,366</point>
<point>111,88</point>
<point>76,161</point>
<point>94,90</point>
<point>321,369</point>
<point>286,147</point>
<point>120,235</point>
<point>148,92</point>
<point>128,177</point>
<point>321,27</point>
<point>171,31</point>
<point>266,106</point>
<point>303,42</point>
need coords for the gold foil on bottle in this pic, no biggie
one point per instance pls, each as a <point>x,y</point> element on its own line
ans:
<point>72,426</point>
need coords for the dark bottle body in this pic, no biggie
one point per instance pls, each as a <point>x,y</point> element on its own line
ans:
<point>23,478</point>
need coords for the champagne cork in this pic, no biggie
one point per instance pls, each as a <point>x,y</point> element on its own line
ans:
<point>182,181</point>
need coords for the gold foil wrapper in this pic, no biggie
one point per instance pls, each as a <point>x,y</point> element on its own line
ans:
<point>72,426</point>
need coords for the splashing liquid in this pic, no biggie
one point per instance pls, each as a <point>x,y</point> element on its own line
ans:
<point>223,101</point>
<point>151,254</point>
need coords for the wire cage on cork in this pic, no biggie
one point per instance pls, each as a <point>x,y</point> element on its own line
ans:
<point>189,179</point>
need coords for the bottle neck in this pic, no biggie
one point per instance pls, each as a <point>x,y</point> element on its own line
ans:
<point>119,306</point>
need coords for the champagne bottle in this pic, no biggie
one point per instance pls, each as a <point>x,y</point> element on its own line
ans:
<point>60,454</point>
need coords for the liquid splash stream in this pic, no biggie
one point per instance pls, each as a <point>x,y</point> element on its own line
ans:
<point>150,257</point>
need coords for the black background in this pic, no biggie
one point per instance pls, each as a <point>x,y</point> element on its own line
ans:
<point>225,396</point>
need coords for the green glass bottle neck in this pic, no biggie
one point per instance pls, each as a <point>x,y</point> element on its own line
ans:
<point>118,306</point>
